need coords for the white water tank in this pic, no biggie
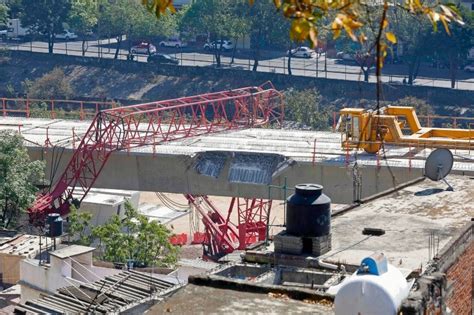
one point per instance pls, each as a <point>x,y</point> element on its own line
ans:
<point>372,293</point>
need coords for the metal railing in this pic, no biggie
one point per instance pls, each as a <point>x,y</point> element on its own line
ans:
<point>316,67</point>
<point>40,108</point>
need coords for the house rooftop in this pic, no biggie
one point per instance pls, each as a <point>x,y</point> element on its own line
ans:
<point>418,221</point>
<point>24,245</point>
<point>194,299</point>
<point>113,294</point>
<point>71,251</point>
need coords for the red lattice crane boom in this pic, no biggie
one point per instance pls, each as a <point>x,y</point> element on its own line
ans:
<point>150,124</point>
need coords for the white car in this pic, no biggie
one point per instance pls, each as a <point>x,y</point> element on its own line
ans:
<point>66,35</point>
<point>469,68</point>
<point>303,52</point>
<point>173,42</point>
<point>226,45</point>
<point>345,56</point>
<point>143,48</point>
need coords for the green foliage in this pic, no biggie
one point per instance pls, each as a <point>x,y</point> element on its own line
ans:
<point>269,27</point>
<point>52,85</point>
<point>83,16</point>
<point>422,108</point>
<point>17,178</point>
<point>137,238</point>
<point>304,107</point>
<point>125,17</point>
<point>3,14</point>
<point>222,19</point>
<point>79,225</point>
<point>45,17</point>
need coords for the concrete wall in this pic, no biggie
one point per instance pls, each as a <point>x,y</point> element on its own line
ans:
<point>9,268</point>
<point>174,174</point>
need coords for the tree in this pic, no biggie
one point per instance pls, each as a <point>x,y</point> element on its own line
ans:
<point>452,48</point>
<point>3,14</point>
<point>18,175</point>
<point>135,238</point>
<point>45,17</point>
<point>125,17</point>
<point>221,19</point>
<point>416,45</point>
<point>79,225</point>
<point>304,107</point>
<point>83,19</point>
<point>51,85</point>
<point>268,28</point>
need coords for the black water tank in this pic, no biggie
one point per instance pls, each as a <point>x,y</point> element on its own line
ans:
<point>55,225</point>
<point>308,211</point>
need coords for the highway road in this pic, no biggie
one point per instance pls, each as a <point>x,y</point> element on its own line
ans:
<point>272,62</point>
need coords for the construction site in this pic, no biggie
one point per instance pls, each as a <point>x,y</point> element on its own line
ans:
<point>374,216</point>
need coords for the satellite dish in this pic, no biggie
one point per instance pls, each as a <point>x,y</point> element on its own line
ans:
<point>438,165</point>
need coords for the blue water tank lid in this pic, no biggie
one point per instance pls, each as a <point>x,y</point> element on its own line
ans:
<point>375,264</point>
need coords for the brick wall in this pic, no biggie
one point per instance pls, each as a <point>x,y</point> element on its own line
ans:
<point>460,278</point>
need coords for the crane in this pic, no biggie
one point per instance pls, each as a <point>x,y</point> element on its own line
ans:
<point>125,128</point>
<point>366,129</point>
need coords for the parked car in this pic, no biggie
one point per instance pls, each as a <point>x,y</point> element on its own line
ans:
<point>303,52</point>
<point>143,48</point>
<point>162,58</point>
<point>469,68</point>
<point>3,34</point>
<point>66,35</point>
<point>226,45</point>
<point>173,42</point>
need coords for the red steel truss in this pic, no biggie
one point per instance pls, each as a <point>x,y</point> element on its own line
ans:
<point>222,235</point>
<point>151,124</point>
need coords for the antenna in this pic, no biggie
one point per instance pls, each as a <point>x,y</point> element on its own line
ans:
<point>438,165</point>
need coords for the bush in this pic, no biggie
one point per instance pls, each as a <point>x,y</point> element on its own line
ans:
<point>304,107</point>
<point>52,85</point>
<point>422,108</point>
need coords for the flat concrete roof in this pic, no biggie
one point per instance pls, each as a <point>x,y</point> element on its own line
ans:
<point>409,217</point>
<point>24,245</point>
<point>71,251</point>
<point>302,146</point>
<point>194,299</point>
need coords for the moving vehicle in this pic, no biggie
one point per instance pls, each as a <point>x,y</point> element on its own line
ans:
<point>162,58</point>
<point>225,44</point>
<point>302,52</point>
<point>66,35</point>
<point>365,129</point>
<point>143,48</point>
<point>15,30</point>
<point>173,42</point>
<point>345,56</point>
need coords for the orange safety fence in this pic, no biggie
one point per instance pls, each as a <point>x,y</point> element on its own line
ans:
<point>179,239</point>
<point>41,108</point>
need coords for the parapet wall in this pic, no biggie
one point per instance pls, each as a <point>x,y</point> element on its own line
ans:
<point>447,287</point>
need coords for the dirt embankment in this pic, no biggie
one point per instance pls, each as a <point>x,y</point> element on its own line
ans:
<point>145,83</point>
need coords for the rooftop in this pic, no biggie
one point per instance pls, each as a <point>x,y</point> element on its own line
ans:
<point>418,221</point>
<point>111,294</point>
<point>71,251</point>
<point>194,299</point>
<point>24,245</point>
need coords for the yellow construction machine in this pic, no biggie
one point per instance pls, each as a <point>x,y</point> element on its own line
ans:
<point>397,125</point>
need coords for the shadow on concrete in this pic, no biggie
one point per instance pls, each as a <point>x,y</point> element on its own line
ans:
<point>429,192</point>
